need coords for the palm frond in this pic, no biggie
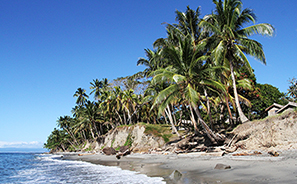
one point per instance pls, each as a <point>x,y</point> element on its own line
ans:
<point>262,29</point>
<point>238,52</point>
<point>219,52</point>
<point>192,95</point>
<point>164,94</point>
<point>252,48</point>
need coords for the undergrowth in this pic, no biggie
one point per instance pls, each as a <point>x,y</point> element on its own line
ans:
<point>129,140</point>
<point>159,131</point>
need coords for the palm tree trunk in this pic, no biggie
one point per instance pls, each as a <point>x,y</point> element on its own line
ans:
<point>96,130</point>
<point>124,116</point>
<point>181,114</point>
<point>165,117</point>
<point>168,112</point>
<point>119,116</point>
<point>101,128</point>
<point>71,134</point>
<point>62,146</point>
<point>193,120</point>
<point>84,135</point>
<point>129,115</point>
<point>92,132</point>
<point>242,117</point>
<point>72,144</point>
<point>229,111</point>
<point>208,131</point>
<point>208,109</point>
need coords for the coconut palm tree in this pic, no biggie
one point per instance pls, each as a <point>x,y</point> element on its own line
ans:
<point>227,97</point>
<point>98,87</point>
<point>81,96</point>
<point>186,74</point>
<point>292,91</point>
<point>90,118</point>
<point>229,39</point>
<point>65,123</point>
<point>188,22</point>
<point>153,61</point>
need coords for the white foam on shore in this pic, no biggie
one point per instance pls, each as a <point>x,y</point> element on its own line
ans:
<point>51,169</point>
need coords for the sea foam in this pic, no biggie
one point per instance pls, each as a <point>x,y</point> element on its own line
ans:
<point>51,169</point>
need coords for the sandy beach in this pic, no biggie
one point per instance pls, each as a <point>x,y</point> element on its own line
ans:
<point>200,168</point>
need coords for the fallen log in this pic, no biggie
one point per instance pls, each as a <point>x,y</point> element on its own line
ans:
<point>247,154</point>
<point>82,154</point>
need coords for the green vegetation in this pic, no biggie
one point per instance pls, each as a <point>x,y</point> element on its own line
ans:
<point>198,78</point>
<point>112,143</point>
<point>292,91</point>
<point>129,140</point>
<point>89,149</point>
<point>159,131</point>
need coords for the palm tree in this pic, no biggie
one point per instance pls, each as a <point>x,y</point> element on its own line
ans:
<point>229,39</point>
<point>98,87</point>
<point>153,61</point>
<point>81,96</point>
<point>65,122</point>
<point>55,140</point>
<point>188,23</point>
<point>227,97</point>
<point>292,91</point>
<point>89,118</point>
<point>186,74</point>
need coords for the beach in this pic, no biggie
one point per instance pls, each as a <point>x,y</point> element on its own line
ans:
<point>200,168</point>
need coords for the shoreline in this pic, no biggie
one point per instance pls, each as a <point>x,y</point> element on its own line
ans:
<point>198,168</point>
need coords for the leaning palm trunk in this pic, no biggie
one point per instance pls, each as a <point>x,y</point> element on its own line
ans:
<point>193,120</point>
<point>208,131</point>
<point>242,117</point>
<point>92,133</point>
<point>208,109</point>
<point>96,130</point>
<point>119,117</point>
<point>62,146</point>
<point>72,144</point>
<point>229,111</point>
<point>163,114</point>
<point>71,134</point>
<point>129,115</point>
<point>168,112</point>
<point>136,111</point>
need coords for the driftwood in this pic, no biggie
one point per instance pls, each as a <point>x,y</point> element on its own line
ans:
<point>247,154</point>
<point>82,154</point>
<point>230,150</point>
<point>230,143</point>
<point>273,153</point>
<point>121,154</point>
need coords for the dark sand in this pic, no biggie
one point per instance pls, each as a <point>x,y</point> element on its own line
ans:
<point>199,168</point>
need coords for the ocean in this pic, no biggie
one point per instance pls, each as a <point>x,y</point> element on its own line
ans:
<point>44,168</point>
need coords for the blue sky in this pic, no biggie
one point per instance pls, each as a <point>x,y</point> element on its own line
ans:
<point>48,49</point>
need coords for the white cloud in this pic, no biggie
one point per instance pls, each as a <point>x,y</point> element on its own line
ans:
<point>33,144</point>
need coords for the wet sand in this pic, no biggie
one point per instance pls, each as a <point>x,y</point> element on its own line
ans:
<point>197,168</point>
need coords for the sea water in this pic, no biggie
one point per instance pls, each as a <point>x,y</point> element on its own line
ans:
<point>44,168</point>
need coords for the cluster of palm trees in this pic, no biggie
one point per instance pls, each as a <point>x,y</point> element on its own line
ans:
<point>193,74</point>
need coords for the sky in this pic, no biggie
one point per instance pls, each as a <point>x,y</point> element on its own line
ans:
<point>48,49</point>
